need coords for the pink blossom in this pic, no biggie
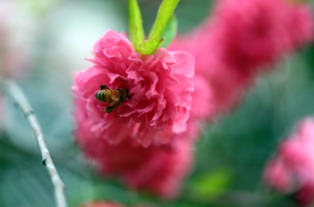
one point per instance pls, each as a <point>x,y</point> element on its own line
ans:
<point>255,33</point>
<point>160,91</point>
<point>242,38</point>
<point>305,195</point>
<point>295,164</point>
<point>202,105</point>
<point>298,150</point>
<point>202,108</point>
<point>223,83</point>
<point>158,169</point>
<point>279,175</point>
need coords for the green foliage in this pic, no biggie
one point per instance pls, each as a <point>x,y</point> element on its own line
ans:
<point>137,34</point>
<point>211,184</point>
<point>308,54</point>
<point>164,15</point>
<point>157,33</point>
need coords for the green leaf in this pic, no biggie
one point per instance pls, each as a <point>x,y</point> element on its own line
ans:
<point>164,15</point>
<point>136,29</point>
<point>170,32</point>
<point>150,46</point>
<point>211,184</point>
<point>162,29</point>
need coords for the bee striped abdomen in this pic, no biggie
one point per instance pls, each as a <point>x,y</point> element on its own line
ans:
<point>105,95</point>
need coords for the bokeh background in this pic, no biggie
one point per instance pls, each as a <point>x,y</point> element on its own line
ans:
<point>51,39</point>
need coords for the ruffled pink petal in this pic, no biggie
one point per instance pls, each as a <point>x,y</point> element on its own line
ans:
<point>160,91</point>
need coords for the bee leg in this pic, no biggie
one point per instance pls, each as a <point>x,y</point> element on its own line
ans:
<point>102,87</point>
<point>109,109</point>
<point>121,99</point>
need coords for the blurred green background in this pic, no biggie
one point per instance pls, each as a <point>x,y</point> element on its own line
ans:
<point>230,156</point>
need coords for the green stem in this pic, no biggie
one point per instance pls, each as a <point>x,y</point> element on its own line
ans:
<point>164,14</point>
<point>136,25</point>
<point>137,36</point>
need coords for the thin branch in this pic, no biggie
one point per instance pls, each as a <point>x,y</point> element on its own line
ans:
<point>14,91</point>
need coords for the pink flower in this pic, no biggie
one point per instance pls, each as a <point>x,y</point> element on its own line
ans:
<point>295,164</point>
<point>202,108</point>
<point>158,169</point>
<point>202,105</point>
<point>279,175</point>
<point>255,33</point>
<point>160,91</point>
<point>239,40</point>
<point>298,151</point>
<point>305,194</point>
<point>223,84</point>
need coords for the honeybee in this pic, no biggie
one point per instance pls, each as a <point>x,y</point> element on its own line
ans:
<point>113,97</point>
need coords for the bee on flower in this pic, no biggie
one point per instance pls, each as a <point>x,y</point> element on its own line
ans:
<point>113,97</point>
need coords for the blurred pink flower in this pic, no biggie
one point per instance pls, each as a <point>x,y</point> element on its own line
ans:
<point>202,105</point>
<point>255,33</point>
<point>279,175</point>
<point>202,108</point>
<point>242,38</point>
<point>158,169</point>
<point>160,88</point>
<point>292,169</point>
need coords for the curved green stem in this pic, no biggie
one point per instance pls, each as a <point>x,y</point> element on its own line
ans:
<point>155,38</point>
